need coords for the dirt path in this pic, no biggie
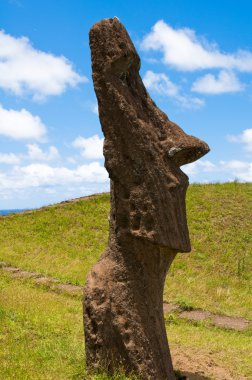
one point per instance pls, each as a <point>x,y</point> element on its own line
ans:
<point>222,321</point>
<point>199,365</point>
<point>193,365</point>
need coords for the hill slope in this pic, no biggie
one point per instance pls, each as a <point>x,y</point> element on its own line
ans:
<point>41,327</point>
<point>66,239</point>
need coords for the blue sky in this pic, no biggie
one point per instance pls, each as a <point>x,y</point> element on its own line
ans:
<point>196,64</point>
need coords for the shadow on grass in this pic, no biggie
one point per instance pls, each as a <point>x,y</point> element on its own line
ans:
<point>193,376</point>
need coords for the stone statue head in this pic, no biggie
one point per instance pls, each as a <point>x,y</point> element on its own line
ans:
<point>143,149</point>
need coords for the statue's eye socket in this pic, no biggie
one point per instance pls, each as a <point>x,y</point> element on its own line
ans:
<point>122,76</point>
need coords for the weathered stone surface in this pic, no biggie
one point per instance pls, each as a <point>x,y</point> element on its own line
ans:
<point>143,149</point>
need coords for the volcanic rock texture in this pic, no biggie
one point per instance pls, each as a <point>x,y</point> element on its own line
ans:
<point>143,149</point>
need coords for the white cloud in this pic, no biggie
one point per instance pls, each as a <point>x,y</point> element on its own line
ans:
<point>162,85</point>
<point>50,190</point>
<point>234,165</point>
<point>190,102</point>
<point>183,50</point>
<point>90,147</point>
<point>44,175</point>
<point>71,160</point>
<point>35,153</point>
<point>21,125</point>
<point>225,82</point>
<point>244,138</point>
<point>199,166</point>
<point>94,108</point>
<point>246,175</point>
<point>24,69</point>
<point>9,159</point>
<point>224,170</point>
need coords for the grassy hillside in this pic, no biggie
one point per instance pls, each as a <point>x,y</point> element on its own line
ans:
<point>41,333</point>
<point>41,338</point>
<point>65,240</point>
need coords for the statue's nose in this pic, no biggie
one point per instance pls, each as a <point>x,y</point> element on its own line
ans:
<point>187,150</point>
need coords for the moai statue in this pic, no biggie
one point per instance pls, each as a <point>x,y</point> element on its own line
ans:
<point>143,149</point>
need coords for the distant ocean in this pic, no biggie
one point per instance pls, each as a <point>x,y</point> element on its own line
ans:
<point>6,212</point>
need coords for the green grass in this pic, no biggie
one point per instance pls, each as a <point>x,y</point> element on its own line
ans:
<point>62,241</point>
<point>217,274</point>
<point>41,331</point>
<point>228,349</point>
<point>42,337</point>
<point>41,334</point>
<point>65,240</point>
